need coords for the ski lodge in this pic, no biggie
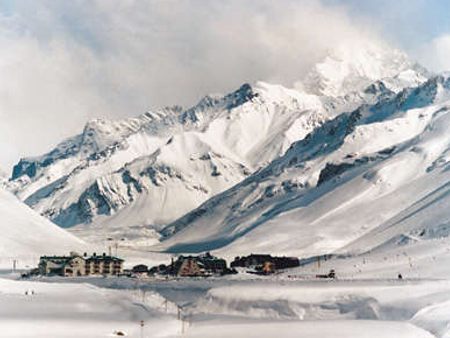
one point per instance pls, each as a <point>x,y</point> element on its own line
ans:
<point>203,265</point>
<point>265,263</point>
<point>76,265</point>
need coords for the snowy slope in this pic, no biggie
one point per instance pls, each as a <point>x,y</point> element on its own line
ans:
<point>25,234</point>
<point>379,172</point>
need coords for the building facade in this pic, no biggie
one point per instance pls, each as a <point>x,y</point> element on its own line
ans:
<point>190,267</point>
<point>104,265</point>
<point>203,265</point>
<point>77,265</point>
<point>261,262</point>
<point>66,266</point>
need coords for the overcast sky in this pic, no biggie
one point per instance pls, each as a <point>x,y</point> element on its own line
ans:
<point>64,62</point>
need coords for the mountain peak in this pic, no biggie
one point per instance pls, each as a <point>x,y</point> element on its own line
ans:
<point>353,66</point>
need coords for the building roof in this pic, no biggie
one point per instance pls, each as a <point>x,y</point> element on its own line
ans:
<point>67,258</point>
<point>104,258</point>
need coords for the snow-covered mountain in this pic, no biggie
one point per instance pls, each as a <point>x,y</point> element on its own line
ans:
<point>132,177</point>
<point>152,169</point>
<point>25,235</point>
<point>376,176</point>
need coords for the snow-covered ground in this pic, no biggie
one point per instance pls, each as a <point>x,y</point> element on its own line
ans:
<point>240,306</point>
<point>329,329</point>
<point>81,310</point>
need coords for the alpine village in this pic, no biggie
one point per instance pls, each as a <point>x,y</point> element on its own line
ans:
<point>203,265</point>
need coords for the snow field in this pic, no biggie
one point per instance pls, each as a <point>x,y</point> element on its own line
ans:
<point>81,310</point>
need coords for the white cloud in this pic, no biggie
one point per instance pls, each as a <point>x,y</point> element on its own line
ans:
<point>436,54</point>
<point>65,62</point>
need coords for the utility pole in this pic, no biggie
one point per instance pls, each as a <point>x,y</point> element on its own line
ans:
<point>109,242</point>
<point>142,329</point>
<point>182,327</point>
